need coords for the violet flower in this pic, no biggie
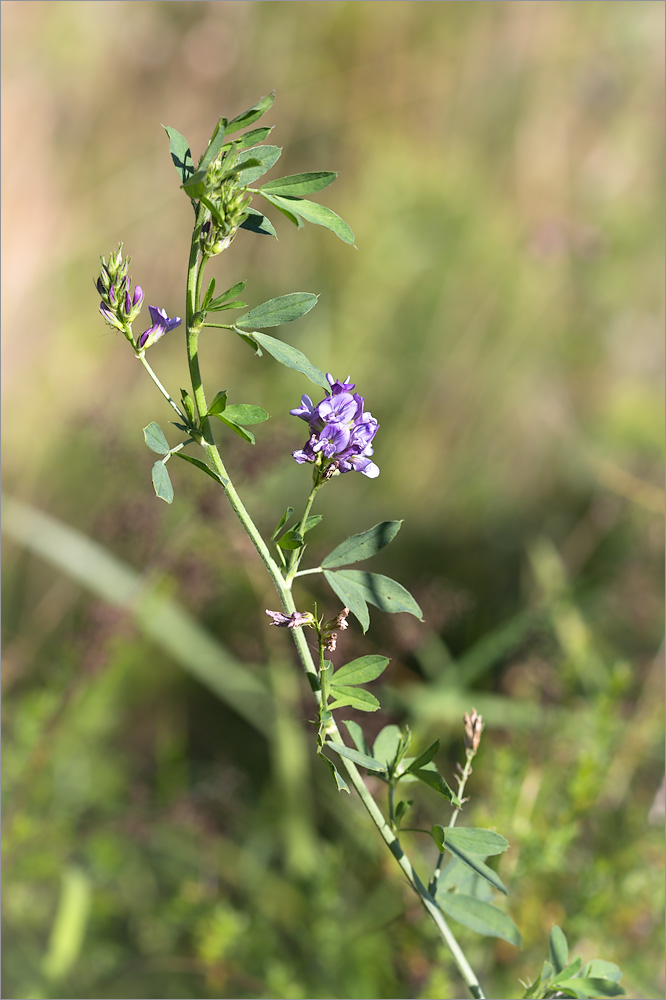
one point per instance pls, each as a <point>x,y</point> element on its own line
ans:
<point>341,431</point>
<point>295,620</point>
<point>161,325</point>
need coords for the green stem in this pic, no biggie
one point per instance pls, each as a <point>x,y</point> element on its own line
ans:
<point>142,358</point>
<point>283,587</point>
<point>462,781</point>
<point>306,572</point>
<point>297,554</point>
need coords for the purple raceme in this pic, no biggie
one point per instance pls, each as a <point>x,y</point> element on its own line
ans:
<point>341,432</point>
<point>161,325</point>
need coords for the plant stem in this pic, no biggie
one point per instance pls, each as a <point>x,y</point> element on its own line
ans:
<point>283,587</point>
<point>297,554</point>
<point>462,781</point>
<point>142,358</point>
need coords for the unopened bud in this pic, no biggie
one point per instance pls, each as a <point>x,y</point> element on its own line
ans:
<point>331,642</point>
<point>473,729</point>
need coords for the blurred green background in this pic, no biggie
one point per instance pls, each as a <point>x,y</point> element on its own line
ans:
<point>502,166</point>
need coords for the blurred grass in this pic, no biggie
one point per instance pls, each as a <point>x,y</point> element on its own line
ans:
<point>501,165</point>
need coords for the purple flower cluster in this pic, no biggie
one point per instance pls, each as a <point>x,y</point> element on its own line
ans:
<point>340,431</point>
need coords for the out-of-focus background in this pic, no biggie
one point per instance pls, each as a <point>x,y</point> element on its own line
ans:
<point>501,165</point>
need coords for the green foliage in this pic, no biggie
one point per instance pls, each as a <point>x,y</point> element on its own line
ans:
<point>162,482</point>
<point>363,545</point>
<point>275,312</point>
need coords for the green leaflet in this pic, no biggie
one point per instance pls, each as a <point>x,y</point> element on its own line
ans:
<point>276,312</point>
<point>299,184</point>
<point>155,439</point>
<point>162,482</point>
<point>288,356</point>
<point>361,670</point>
<point>479,916</point>
<point>363,545</point>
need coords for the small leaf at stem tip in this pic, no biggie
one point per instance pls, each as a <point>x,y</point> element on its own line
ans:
<point>363,545</point>
<point>479,916</point>
<point>288,356</point>
<point>230,293</point>
<point>359,758</point>
<point>278,311</point>
<point>162,482</point>
<point>204,468</point>
<point>353,697</point>
<point>299,184</point>
<point>214,145</point>
<point>361,670</point>
<point>250,116</point>
<point>252,138</point>
<point>155,439</point>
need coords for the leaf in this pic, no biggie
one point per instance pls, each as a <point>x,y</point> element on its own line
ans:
<point>559,949</point>
<point>236,428</point>
<point>265,157</point>
<point>351,596</point>
<point>386,744</point>
<point>584,986</point>
<point>599,969</point>
<point>424,758</point>
<point>281,523</point>
<point>219,404</point>
<point>155,439</point>
<point>298,184</point>
<point>362,546</point>
<point>293,539</point>
<point>361,670</point>
<point>276,312</point>
<point>180,153</point>
<point>434,779</point>
<point>401,808</point>
<point>225,297</point>
<point>188,406</point>
<point>355,697</point>
<point>256,222</point>
<point>250,116</point>
<point>246,413</point>
<point>195,186</point>
<point>341,784</point>
<point>214,145</point>
<point>252,138</point>
<point>311,211</point>
<point>294,219</point>
<point>289,357</point>
<point>162,482</point>
<point>204,468</point>
<point>356,734</point>
<point>476,841</point>
<point>484,918</point>
<point>208,296</point>
<point>471,860</point>
<point>359,758</point>
<point>385,593</point>
<point>570,970</point>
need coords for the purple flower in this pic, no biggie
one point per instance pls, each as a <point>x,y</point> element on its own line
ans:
<point>297,619</point>
<point>341,433</point>
<point>161,325</point>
